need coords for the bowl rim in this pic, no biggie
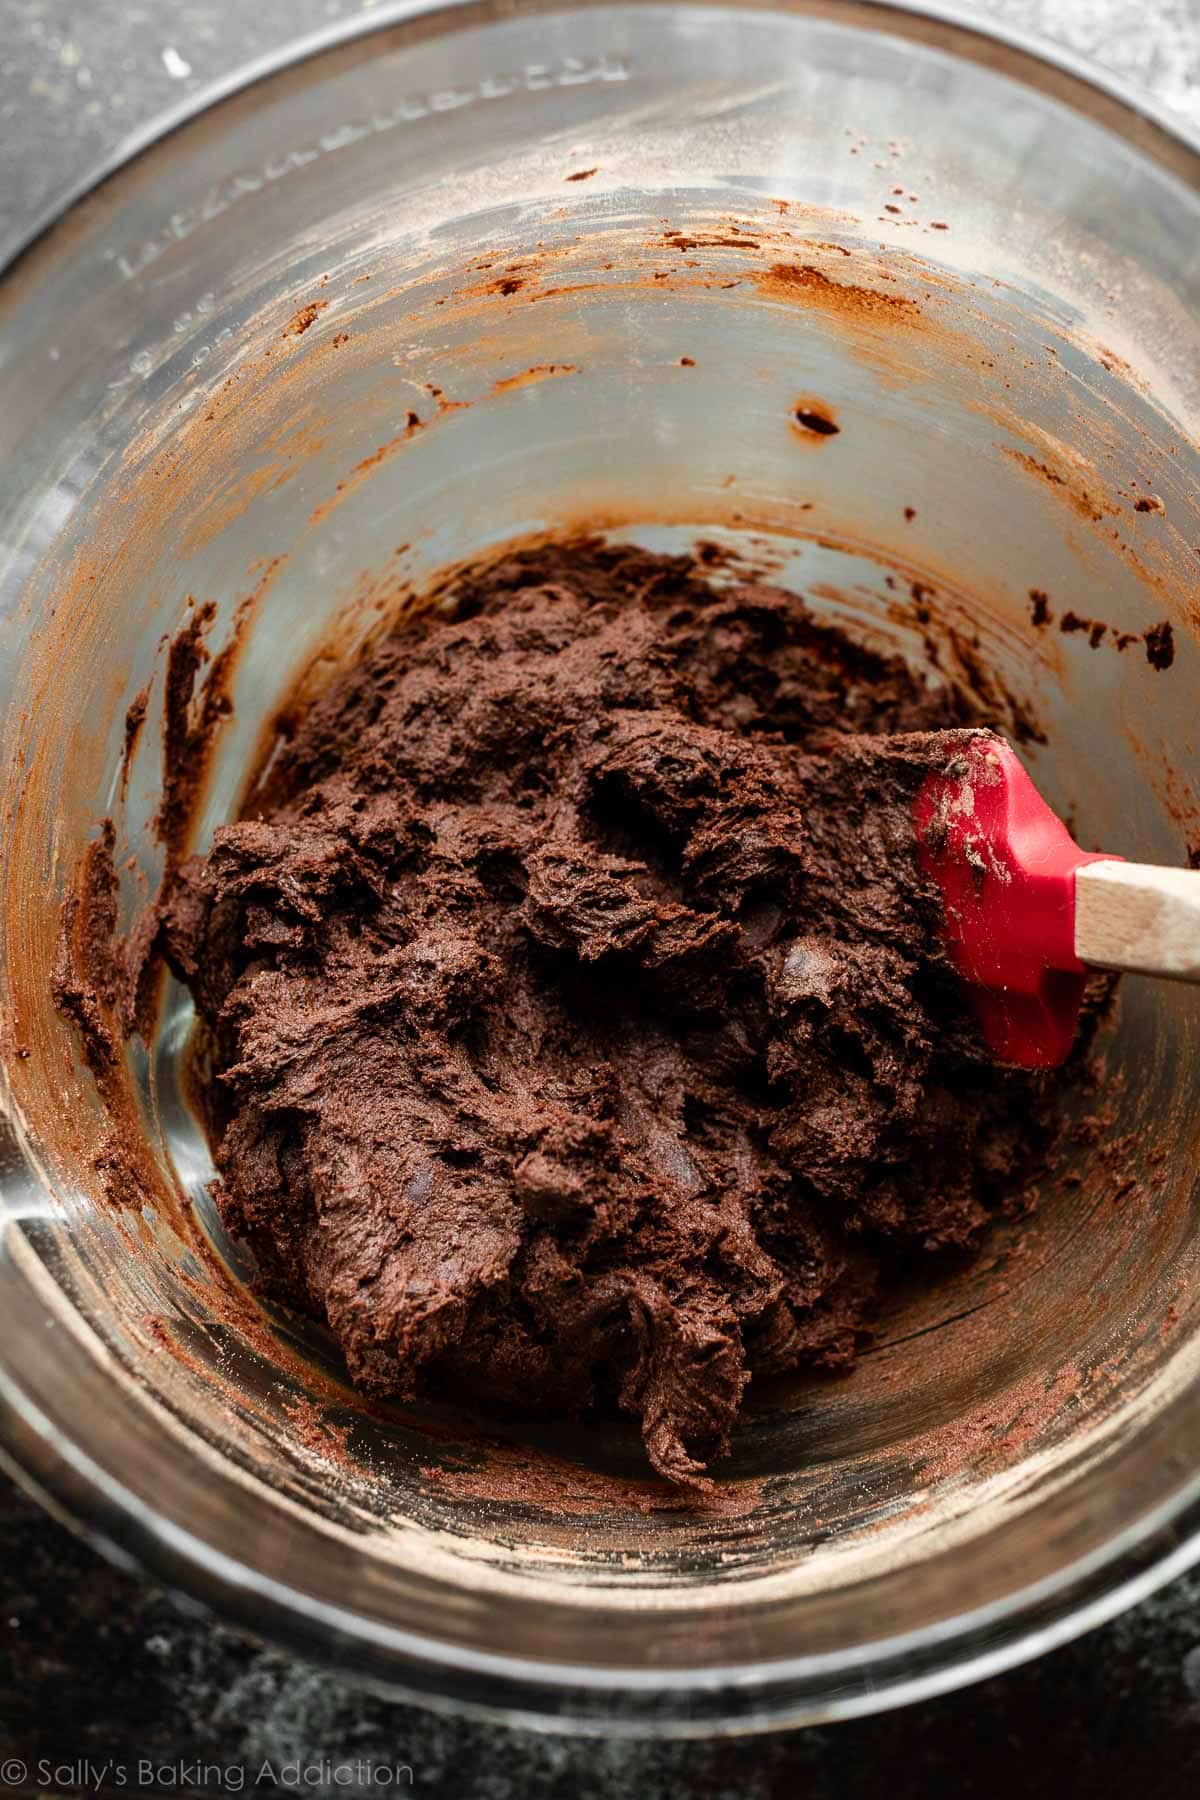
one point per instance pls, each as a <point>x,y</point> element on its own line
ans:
<point>611,1700</point>
<point>1055,60</point>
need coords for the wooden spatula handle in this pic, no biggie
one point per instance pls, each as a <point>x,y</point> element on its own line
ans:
<point>1138,917</point>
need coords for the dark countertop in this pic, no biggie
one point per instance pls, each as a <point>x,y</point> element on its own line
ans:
<point>98,1668</point>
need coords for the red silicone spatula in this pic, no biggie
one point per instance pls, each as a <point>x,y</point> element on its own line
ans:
<point>1027,912</point>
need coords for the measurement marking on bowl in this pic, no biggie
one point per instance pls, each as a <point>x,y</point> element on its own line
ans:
<point>566,72</point>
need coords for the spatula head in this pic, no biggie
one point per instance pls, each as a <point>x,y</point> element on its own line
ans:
<point>1005,866</point>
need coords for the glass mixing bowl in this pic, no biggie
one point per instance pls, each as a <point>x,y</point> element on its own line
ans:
<point>602,255</point>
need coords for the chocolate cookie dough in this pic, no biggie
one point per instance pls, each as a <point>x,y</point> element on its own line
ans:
<point>577,1029</point>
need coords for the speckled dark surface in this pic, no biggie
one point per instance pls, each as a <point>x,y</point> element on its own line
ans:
<point>96,1666</point>
<point>107,1683</point>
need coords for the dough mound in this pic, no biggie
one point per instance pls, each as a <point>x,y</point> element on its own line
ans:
<point>576,1024</point>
